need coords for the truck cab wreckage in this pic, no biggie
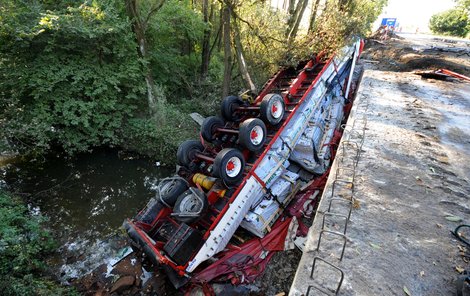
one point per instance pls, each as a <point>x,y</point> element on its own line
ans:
<point>237,191</point>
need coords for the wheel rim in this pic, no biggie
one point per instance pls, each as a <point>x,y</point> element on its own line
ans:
<point>276,109</point>
<point>167,187</point>
<point>190,204</point>
<point>256,135</point>
<point>233,167</point>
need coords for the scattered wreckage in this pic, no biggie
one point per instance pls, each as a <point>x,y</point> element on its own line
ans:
<point>235,197</point>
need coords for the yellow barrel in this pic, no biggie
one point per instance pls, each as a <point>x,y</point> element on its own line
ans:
<point>204,181</point>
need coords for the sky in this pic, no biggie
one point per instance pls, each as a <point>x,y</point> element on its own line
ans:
<point>412,14</point>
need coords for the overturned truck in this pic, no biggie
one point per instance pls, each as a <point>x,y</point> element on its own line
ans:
<point>244,173</point>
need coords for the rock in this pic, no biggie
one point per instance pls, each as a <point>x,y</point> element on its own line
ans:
<point>128,266</point>
<point>122,284</point>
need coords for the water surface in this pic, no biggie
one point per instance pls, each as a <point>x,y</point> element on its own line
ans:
<point>86,199</point>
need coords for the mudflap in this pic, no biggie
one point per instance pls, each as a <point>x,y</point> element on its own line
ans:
<point>175,279</point>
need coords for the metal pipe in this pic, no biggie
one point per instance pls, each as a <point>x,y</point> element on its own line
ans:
<point>204,157</point>
<point>226,130</point>
<point>355,55</point>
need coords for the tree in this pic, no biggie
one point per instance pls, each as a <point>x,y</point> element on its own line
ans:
<point>140,23</point>
<point>241,60</point>
<point>206,49</point>
<point>227,51</point>
<point>454,22</point>
<point>294,20</point>
<point>71,77</point>
<point>313,15</point>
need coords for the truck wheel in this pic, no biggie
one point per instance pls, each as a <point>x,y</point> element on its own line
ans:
<point>187,151</point>
<point>252,134</point>
<point>169,189</point>
<point>228,108</point>
<point>190,206</point>
<point>272,109</point>
<point>209,127</point>
<point>229,165</point>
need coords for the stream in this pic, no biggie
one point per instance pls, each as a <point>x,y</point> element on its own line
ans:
<point>86,199</point>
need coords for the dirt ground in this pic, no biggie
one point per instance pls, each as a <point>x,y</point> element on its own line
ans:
<point>412,185</point>
<point>420,52</point>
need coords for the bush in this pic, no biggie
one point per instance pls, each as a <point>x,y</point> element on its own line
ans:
<point>70,76</point>
<point>454,22</point>
<point>160,135</point>
<point>23,245</point>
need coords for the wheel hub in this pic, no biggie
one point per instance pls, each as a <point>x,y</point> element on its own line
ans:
<point>256,135</point>
<point>233,167</point>
<point>190,204</point>
<point>276,109</point>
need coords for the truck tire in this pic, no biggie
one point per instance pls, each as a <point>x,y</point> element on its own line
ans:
<point>191,206</point>
<point>252,134</point>
<point>229,165</point>
<point>186,152</point>
<point>228,108</point>
<point>272,109</point>
<point>209,127</point>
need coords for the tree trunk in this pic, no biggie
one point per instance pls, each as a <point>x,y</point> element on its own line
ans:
<point>241,60</point>
<point>205,58</point>
<point>221,24</point>
<point>139,26</point>
<point>313,16</point>
<point>227,52</point>
<point>292,10</point>
<point>291,7</point>
<point>299,12</point>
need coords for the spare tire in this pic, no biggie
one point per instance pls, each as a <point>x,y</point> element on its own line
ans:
<point>169,189</point>
<point>229,165</point>
<point>228,108</point>
<point>190,206</point>
<point>252,134</point>
<point>209,127</point>
<point>272,109</point>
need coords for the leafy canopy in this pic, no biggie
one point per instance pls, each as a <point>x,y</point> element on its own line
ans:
<point>454,22</point>
<point>71,76</point>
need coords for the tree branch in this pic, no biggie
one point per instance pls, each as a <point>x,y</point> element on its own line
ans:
<point>152,11</point>
<point>236,16</point>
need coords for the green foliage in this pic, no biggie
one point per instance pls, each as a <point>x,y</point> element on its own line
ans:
<point>262,32</point>
<point>23,244</point>
<point>464,4</point>
<point>174,35</point>
<point>161,134</point>
<point>70,77</point>
<point>454,22</point>
<point>333,27</point>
